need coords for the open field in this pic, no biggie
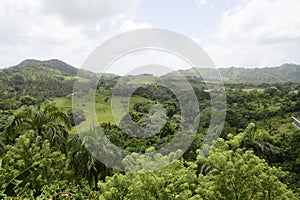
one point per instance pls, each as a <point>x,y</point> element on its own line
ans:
<point>106,112</point>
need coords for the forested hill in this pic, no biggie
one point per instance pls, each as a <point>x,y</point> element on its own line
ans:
<point>282,74</point>
<point>54,78</point>
<point>233,75</point>
<point>34,80</point>
<point>256,155</point>
<point>63,67</point>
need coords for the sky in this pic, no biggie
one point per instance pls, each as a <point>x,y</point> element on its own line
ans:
<point>241,33</point>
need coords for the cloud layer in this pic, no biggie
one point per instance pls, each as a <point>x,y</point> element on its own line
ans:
<point>67,30</point>
<point>253,33</point>
<point>258,33</point>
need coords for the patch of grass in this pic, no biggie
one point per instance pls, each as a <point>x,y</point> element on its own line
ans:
<point>252,89</point>
<point>79,79</point>
<point>64,103</point>
<point>145,79</point>
<point>107,110</point>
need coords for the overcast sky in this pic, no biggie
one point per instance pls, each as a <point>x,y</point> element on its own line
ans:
<point>242,33</point>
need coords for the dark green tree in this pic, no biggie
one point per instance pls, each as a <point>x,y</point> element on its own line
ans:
<point>45,120</point>
<point>84,162</point>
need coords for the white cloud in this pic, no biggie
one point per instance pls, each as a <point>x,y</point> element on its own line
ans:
<point>201,3</point>
<point>148,61</point>
<point>89,11</point>
<point>251,34</point>
<point>129,25</point>
<point>258,33</point>
<point>67,30</point>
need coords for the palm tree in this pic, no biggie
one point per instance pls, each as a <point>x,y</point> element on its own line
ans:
<point>45,120</point>
<point>2,145</point>
<point>84,162</point>
<point>260,142</point>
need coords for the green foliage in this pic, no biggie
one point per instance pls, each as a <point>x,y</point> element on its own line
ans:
<point>269,75</point>
<point>34,81</point>
<point>25,167</point>
<point>58,65</point>
<point>238,175</point>
<point>45,120</point>
<point>84,162</point>
<point>28,100</point>
<point>76,116</point>
<point>257,156</point>
<point>173,182</point>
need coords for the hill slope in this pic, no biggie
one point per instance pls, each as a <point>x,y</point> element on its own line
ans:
<point>64,68</point>
<point>38,82</point>
<point>54,78</point>
<point>270,75</point>
<point>283,74</point>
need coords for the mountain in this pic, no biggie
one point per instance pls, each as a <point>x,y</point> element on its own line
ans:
<point>54,78</point>
<point>270,75</point>
<point>35,81</point>
<point>41,80</point>
<point>282,74</point>
<point>64,68</point>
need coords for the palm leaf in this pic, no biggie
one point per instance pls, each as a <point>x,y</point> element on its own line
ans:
<point>18,181</point>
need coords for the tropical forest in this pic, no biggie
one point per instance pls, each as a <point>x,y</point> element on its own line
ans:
<point>53,146</point>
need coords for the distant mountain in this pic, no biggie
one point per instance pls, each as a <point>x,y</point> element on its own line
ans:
<point>64,68</point>
<point>36,81</point>
<point>282,74</point>
<point>270,75</point>
<point>54,78</point>
<point>42,80</point>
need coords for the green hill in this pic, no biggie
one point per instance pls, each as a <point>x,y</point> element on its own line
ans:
<point>268,75</point>
<point>63,67</point>
<point>54,78</point>
<point>40,80</point>
<point>282,74</point>
<point>35,81</point>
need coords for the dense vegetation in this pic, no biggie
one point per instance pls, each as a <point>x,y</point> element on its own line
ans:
<point>254,76</point>
<point>257,155</point>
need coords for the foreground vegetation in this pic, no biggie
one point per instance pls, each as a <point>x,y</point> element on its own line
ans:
<point>257,155</point>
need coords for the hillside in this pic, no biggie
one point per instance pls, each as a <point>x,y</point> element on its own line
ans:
<point>270,75</point>
<point>282,74</point>
<point>35,81</point>
<point>43,154</point>
<point>54,78</point>
<point>63,67</point>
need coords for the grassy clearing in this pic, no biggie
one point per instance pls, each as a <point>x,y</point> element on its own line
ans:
<point>252,89</point>
<point>279,124</point>
<point>110,111</point>
<point>144,79</point>
<point>79,79</point>
<point>64,103</point>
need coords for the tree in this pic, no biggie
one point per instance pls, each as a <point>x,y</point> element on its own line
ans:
<point>176,181</point>
<point>257,140</point>
<point>24,169</point>
<point>45,120</point>
<point>84,162</point>
<point>240,175</point>
<point>291,156</point>
<point>28,100</point>
<point>76,116</point>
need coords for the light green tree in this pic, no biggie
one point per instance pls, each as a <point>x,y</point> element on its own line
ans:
<point>28,166</point>
<point>240,175</point>
<point>176,181</point>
